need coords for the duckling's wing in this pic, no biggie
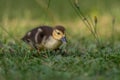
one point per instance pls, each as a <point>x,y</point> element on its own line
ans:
<point>36,35</point>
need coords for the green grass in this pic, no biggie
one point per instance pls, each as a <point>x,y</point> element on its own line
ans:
<point>85,60</point>
<point>86,63</point>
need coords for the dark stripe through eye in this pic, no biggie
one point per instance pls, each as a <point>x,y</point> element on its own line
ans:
<point>58,33</point>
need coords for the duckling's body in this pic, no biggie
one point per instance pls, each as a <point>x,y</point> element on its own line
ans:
<point>52,43</point>
<point>45,37</point>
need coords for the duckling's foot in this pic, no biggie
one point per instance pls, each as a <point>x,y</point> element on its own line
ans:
<point>62,52</point>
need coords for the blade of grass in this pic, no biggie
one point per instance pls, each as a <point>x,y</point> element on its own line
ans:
<point>46,8</point>
<point>86,21</point>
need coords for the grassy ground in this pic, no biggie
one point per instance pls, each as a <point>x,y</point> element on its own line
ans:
<point>86,60</point>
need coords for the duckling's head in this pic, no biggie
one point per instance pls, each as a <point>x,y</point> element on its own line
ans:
<point>59,33</point>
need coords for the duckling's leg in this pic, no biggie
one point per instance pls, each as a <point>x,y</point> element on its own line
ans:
<point>39,53</point>
<point>38,50</point>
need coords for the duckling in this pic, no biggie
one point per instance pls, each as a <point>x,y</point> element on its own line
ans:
<point>45,37</point>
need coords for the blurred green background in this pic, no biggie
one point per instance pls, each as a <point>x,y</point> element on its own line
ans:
<point>60,9</point>
<point>22,15</point>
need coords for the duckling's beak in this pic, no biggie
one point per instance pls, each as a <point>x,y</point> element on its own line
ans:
<point>63,39</point>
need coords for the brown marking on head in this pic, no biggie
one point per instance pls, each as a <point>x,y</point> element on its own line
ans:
<point>60,28</point>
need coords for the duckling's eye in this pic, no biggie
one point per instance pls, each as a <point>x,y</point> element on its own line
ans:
<point>58,33</point>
